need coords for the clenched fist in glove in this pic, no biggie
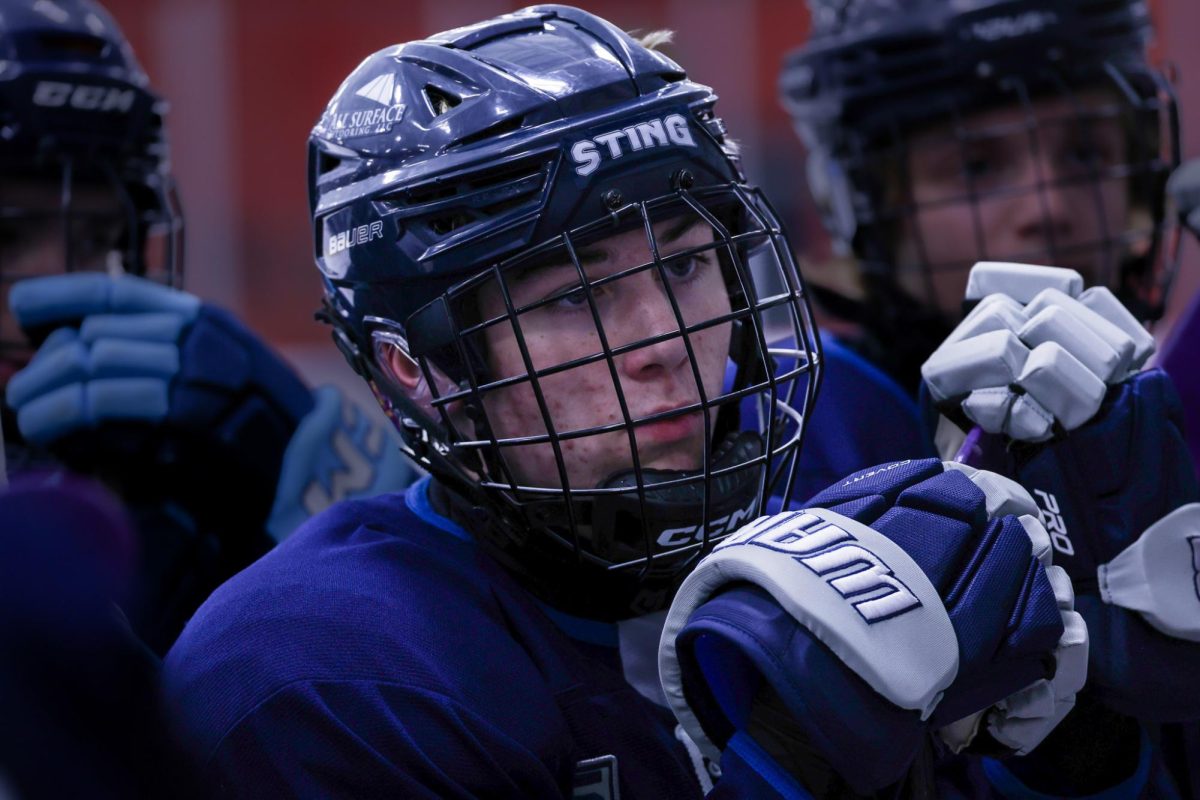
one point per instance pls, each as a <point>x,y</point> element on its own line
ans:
<point>825,643</point>
<point>153,389</point>
<point>1036,354</point>
<point>1117,487</point>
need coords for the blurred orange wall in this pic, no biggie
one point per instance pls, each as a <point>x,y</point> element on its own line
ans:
<point>246,81</point>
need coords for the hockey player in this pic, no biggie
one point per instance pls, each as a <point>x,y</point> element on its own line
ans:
<point>171,401</point>
<point>948,135</point>
<point>536,245</point>
<point>1004,131</point>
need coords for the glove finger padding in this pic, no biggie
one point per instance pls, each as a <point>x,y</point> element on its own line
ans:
<point>980,578</point>
<point>897,581</point>
<point>155,389</point>
<point>1035,354</point>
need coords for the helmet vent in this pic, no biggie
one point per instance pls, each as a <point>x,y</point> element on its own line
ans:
<point>1104,7</point>
<point>440,101</point>
<point>67,44</point>
<point>450,222</point>
<point>327,163</point>
<point>499,129</point>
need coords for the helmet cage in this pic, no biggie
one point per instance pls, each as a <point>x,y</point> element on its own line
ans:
<point>642,522</point>
<point>1142,103</point>
<point>869,80</point>
<point>83,153</point>
<point>140,234</point>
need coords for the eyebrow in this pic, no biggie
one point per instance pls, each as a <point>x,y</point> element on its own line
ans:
<point>596,254</point>
<point>590,255</point>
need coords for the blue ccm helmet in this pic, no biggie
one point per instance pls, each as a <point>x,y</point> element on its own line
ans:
<point>82,148</point>
<point>875,72</point>
<point>445,166</point>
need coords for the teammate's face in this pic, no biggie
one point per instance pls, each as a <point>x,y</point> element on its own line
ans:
<point>1038,185</point>
<point>652,378</point>
<point>34,236</point>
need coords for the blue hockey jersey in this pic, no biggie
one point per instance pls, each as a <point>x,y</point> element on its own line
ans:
<point>379,652</point>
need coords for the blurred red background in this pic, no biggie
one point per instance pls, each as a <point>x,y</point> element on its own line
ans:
<point>246,81</point>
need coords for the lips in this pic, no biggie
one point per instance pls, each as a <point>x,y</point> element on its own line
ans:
<point>671,429</point>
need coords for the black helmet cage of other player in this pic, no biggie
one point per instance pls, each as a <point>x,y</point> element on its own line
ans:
<point>78,120</point>
<point>876,72</point>
<point>412,219</point>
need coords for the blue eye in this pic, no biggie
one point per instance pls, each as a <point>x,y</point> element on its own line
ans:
<point>685,269</point>
<point>573,299</point>
<point>681,268</point>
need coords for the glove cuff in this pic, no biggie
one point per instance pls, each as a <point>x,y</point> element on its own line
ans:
<point>854,589</point>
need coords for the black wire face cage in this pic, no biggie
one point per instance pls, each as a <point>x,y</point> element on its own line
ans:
<point>83,215</point>
<point>635,389</point>
<point>1084,160</point>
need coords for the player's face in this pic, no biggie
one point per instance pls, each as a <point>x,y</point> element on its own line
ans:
<point>653,378</point>
<point>1038,185</point>
<point>34,236</point>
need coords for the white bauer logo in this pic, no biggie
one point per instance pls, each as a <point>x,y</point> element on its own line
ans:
<point>670,130</point>
<point>355,236</point>
<point>998,28</point>
<point>842,561</point>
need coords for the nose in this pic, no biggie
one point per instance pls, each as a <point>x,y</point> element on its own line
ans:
<point>1044,220</point>
<point>649,314</point>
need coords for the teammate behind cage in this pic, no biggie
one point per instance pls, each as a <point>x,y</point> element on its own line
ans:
<point>171,401</point>
<point>941,135</point>
<point>549,287</point>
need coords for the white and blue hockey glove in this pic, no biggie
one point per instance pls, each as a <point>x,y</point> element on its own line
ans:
<point>167,396</point>
<point>1037,354</point>
<point>1119,498</point>
<point>826,643</point>
<point>1117,487</point>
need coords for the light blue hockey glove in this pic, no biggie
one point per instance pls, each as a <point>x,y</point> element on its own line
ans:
<point>171,397</point>
<point>337,452</point>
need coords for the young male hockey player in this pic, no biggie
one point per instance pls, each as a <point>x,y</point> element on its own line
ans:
<point>1008,131</point>
<point>536,246</point>
<point>1002,130</point>
<point>173,402</point>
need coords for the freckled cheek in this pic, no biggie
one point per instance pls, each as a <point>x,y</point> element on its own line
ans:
<point>712,352</point>
<point>582,397</point>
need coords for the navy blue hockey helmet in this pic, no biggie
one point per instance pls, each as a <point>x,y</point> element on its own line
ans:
<point>875,74</point>
<point>83,158</point>
<point>445,169</point>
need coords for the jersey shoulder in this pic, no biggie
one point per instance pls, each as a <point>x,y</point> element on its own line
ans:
<point>370,593</point>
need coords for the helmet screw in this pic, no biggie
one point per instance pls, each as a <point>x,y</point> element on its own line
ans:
<point>683,179</point>
<point>613,199</point>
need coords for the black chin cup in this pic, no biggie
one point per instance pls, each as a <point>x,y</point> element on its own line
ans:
<point>636,528</point>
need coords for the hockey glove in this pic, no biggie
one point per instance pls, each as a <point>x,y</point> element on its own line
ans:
<point>1036,353</point>
<point>1119,499</point>
<point>167,396</point>
<point>909,598</point>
